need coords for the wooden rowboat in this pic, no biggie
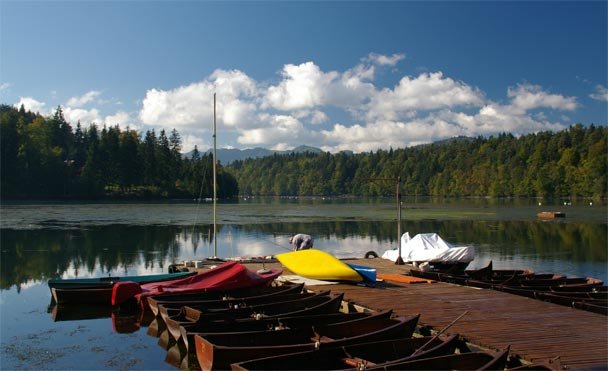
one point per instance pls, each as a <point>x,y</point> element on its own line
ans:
<point>232,304</point>
<point>457,361</point>
<point>489,273</point>
<point>258,311</point>
<point>230,310</point>
<point>356,356</point>
<point>318,305</point>
<point>218,351</point>
<point>274,324</point>
<point>247,293</point>
<point>188,330</point>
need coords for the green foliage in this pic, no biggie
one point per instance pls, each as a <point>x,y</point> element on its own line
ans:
<point>45,157</point>
<point>569,163</point>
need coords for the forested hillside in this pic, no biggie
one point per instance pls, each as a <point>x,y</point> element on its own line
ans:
<point>570,163</point>
<point>47,157</point>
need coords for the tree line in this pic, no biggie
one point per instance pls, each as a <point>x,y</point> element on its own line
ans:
<point>569,163</point>
<point>47,157</point>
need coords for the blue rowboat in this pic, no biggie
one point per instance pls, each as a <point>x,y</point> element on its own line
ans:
<point>101,282</point>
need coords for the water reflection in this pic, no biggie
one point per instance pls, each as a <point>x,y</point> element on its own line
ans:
<point>34,256</point>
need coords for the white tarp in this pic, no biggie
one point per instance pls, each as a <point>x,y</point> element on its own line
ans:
<point>429,247</point>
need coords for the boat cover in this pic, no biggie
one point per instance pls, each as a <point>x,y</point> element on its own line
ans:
<point>226,276</point>
<point>429,247</point>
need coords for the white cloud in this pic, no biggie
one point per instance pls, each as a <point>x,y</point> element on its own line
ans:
<point>384,60</point>
<point>191,140</point>
<point>82,100</point>
<point>191,106</point>
<point>601,93</point>
<point>387,133</point>
<point>526,97</point>
<point>4,86</point>
<point>318,117</point>
<point>428,91</point>
<point>122,119</point>
<point>282,131</point>
<point>303,86</point>
<point>86,117</point>
<point>31,104</point>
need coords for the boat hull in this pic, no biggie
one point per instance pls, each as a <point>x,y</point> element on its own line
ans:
<point>358,356</point>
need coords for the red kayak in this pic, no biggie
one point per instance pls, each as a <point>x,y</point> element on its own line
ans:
<point>227,276</point>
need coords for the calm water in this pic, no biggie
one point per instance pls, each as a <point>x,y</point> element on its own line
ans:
<point>44,240</point>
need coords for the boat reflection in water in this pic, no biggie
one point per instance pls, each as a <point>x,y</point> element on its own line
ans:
<point>123,322</point>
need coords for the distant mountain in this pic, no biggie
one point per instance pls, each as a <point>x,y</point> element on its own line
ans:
<point>229,155</point>
<point>226,156</point>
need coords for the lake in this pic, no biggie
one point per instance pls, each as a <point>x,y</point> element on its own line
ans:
<point>42,240</point>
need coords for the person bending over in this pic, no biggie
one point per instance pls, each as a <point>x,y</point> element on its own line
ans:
<point>301,242</point>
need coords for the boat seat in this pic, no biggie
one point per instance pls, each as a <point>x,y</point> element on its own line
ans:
<point>358,363</point>
<point>322,339</point>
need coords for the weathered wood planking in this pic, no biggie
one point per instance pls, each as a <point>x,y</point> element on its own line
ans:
<point>534,329</point>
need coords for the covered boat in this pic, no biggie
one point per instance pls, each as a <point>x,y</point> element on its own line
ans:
<point>227,276</point>
<point>431,249</point>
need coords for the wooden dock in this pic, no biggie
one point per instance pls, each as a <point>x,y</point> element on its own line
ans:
<point>534,330</point>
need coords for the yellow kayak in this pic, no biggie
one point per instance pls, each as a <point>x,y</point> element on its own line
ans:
<point>319,265</point>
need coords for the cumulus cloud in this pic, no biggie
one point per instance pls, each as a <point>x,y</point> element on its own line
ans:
<point>387,133</point>
<point>384,60</point>
<point>122,119</point>
<point>526,97</point>
<point>318,117</point>
<point>86,117</point>
<point>82,100</point>
<point>303,86</point>
<point>191,106</point>
<point>281,131</point>
<point>600,93</point>
<point>189,141</point>
<point>31,104</point>
<point>428,91</point>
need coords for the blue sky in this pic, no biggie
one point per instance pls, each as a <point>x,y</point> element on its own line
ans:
<point>348,75</point>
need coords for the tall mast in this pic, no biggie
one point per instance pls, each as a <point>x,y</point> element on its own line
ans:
<point>214,183</point>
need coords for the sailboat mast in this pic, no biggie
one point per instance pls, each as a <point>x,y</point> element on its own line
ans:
<point>214,182</point>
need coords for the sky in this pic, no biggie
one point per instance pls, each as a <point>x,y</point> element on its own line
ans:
<point>346,75</point>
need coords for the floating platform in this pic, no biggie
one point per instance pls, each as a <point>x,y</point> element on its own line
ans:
<point>550,214</point>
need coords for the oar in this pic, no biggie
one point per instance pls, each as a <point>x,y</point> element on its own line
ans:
<point>439,333</point>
